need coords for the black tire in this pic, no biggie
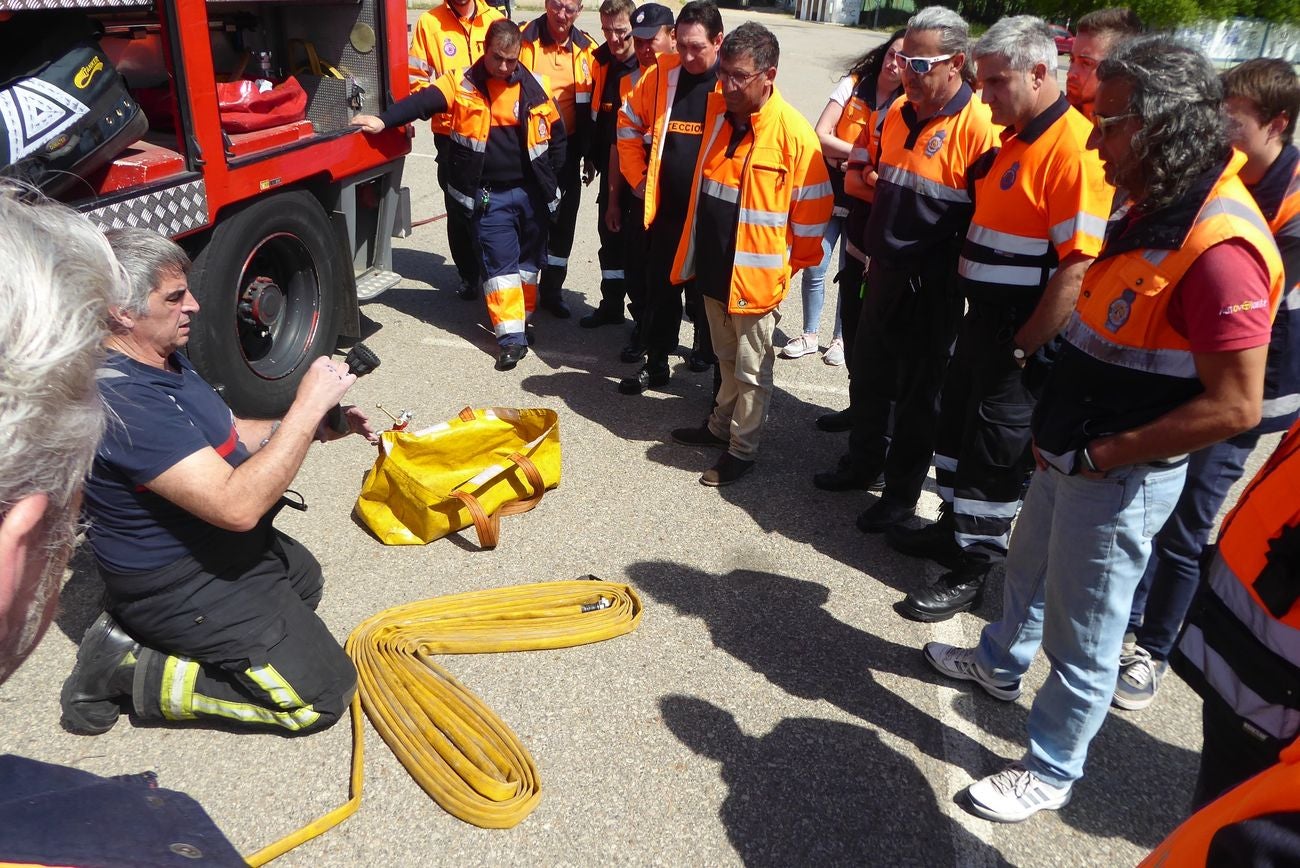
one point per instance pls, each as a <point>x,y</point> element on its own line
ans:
<point>253,354</point>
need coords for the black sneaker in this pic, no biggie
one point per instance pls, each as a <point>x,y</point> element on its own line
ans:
<point>728,469</point>
<point>884,514</point>
<point>468,291</point>
<point>599,317</point>
<point>843,478</point>
<point>632,354</point>
<point>700,361</point>
<point>510,356</point>
<point>700,436</point>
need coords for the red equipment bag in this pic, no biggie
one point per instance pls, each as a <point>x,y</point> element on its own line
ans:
<point>245,108</point>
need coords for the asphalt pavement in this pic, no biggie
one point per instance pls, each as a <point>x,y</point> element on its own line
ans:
<point>771,709</point>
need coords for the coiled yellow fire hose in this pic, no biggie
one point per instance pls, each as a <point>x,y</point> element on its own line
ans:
<point>464,756</point>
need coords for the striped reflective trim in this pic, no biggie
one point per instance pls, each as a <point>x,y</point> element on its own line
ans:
<point>631,115</point>
<point>1276,720</point>
<point>759,260</point>
<point>298,714</point>
<point>1083,222</point>
<point>1003,275</point>
<point>460,198</point>
<point>177,689</point>
<point>1274,635</point>
<point>536,151</point>
<point>502,282</point>
<point>945,462</point>
<point>860,155</point>
<point>989,508</point>
<point>946,493</point>
<point>1282,405</point>
<point>465,141</point>
<point>557,261</point>
<point>900,177</point>
<point>1166,362</point>
<point>759,217</point>
<point>839,211</point>
<point>719,190</point>
<point>808,230</point>
<point>582,97</point>
<point>509,327</point>
<point>418,63</point>
<point>628,133</point>
<point>814,191</point>
<point>1291,301</point>
<point>611,274</point>
<point>1005,242</point>
<point>966,540</point>
<point>247,712</point>
<point>1222,205</point>
<point>1155,257</point>
<point>530,278</point>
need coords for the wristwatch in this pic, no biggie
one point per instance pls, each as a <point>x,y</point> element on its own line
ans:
<point>1019,355</point>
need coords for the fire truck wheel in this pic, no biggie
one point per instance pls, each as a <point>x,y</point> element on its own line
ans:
<point>266,282</point>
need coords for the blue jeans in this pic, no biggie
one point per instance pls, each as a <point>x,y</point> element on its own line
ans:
<point>1174,573</point>
<point>814,281</point>
<point>1077,552</point>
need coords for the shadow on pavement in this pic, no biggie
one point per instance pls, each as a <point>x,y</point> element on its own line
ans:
<point>820,792</point>
<point>82,597</point>
<point>778,627</point>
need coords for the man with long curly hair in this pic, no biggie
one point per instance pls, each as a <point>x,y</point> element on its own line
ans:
<point>1163,355</point>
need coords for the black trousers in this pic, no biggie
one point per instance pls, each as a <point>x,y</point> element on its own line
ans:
<point>559,243</point>
<point>850,281</point>
<point>982,455</point>
<point>662,319</point>
<point>635,243</point>
<point>612,256</point>
<point>905,334</point>
<point>460,229</point>
<point>232,634</point>
<point>1231,753</point>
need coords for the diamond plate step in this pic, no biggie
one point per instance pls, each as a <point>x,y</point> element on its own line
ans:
<point>373,283</point>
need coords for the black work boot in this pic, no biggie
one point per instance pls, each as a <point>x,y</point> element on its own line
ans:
<point>653,375</point>
<point>961,590</point>
<point>934,541</point>
<point>101,678</point>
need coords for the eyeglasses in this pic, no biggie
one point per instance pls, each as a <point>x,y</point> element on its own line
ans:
<point>920,65</point>
<point>737,79</point>
<point>1104,123</point>
<point>560,7</point>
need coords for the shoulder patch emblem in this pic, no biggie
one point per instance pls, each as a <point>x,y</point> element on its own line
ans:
<point>936,142</point>
<point>1119,311</point>
<point>449,47</point>
<point>1009,176</point>
<point>542,129</point>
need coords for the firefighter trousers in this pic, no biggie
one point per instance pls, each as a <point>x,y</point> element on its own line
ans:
<point>982,455</point>
<point>511,227</point>
<point>232,634</point>
<point>612,257</point>
<point>460,230</point>
<point>905,333</point>
<point>559,243</point>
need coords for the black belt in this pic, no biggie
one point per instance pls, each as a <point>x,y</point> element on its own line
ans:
<point>501,186</point>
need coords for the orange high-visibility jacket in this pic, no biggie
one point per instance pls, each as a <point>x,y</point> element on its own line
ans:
<point>646,111</point>
<point>444,43</point>
<point>581,54</point>
<point>783,194</point>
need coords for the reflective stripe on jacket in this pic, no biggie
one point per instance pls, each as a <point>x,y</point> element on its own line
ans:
<point>784,199</point>
<point>1276,790</point>
<point>443,43</point>
<point>1242,640</point>
<point>470,117</point>
<point>1044,198</point>
<point>1122,363</point>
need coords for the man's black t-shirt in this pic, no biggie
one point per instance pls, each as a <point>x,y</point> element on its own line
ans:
<point>682,140</point>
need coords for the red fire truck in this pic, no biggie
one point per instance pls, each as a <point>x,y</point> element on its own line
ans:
<point>289,226</point>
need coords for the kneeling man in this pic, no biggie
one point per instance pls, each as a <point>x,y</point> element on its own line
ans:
<point>210,611</point>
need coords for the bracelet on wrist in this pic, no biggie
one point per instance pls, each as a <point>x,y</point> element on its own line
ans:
<point>267,439</point>
<point>1088,463</point>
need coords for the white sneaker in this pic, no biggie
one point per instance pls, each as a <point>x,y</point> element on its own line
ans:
<point>803,345</point>
<point>834,354</point>
<point>960,663</point>
<point>1015,794</point>
<point>1139,678</point>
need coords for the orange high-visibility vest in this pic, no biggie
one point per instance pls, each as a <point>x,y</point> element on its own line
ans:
<point>1123,363</point>
<point>784,199</point>
<point>443,43</point>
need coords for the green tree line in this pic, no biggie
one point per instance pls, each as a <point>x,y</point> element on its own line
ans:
<point>1156,13</point>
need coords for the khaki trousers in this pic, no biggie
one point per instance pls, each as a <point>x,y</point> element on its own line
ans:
<point>743,345</point>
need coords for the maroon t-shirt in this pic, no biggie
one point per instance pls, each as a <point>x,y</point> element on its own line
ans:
<point>1221,304</point>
